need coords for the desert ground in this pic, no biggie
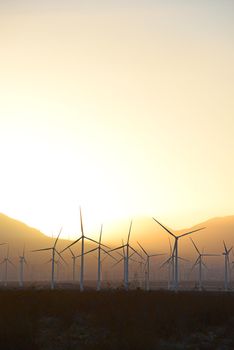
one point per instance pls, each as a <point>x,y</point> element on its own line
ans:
<point>67,319</point>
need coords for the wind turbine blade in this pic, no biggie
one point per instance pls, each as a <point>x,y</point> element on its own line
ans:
<point>165,228</point>
<point>117,262</point>
<point>174,249</point>
<point>93,240</point>
<point>165,263</point>
<point>183,259</point>
<point>210,254</point>
<point>170,245</point>
<point>48,261</point>
<point>133,260</point>
<point>142,248</point>
<point>131,255</point>
<point>81,223</point>
<point>100,237</point>
<point>61,257</point>
<point>120,247</point>
<point>89,251</point>
<point>123,246</point>
<point>204,265</point>
<point>225,248</point>
<point>189,233</point>
<point>103,259</point>
<point>196,262</point>
<point>3,243</point>
<point>71,252</point>
<point>129,232</point>
<point>135,251</point>
<point>40,250</point>
<point>119,253</point>
<point>70,245</point>
<point>195,246</point>
<point>106,252</point>
<point>151,256</point>
<point>57,237</point>
<point>229,250</point>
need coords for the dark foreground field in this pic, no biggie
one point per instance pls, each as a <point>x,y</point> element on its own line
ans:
<point>64,320</point>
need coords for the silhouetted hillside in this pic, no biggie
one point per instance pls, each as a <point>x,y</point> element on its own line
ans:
<point>145,230</point>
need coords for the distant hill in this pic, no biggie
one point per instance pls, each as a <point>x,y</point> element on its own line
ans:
<point>18,234</point>
<point>145,230</point>
<point>154,238</point>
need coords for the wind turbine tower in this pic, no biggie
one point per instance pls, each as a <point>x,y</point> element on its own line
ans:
<point>6,261</point>
<point>200,263</point>
<point>176,249</point>
<point>54,252</point>
<point>226,267</point>
<point>148,256</point>
<point>22,262</point>
<point>82,238</point>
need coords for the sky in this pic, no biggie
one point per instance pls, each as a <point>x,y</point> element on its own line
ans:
<point>124,108</point>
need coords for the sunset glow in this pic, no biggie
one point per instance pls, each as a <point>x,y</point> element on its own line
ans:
<point>126,110</point>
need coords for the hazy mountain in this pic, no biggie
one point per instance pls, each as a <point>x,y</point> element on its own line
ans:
<point>18,235</point>
<point>145,230</point>
<point>155,238</point>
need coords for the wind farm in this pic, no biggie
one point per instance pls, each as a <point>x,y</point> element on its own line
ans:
<point>116,182</point>
<point>103,304</point>
<point>131,265</point>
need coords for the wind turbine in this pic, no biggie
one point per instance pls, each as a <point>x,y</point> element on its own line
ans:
<point>171,266</point>
<point>141,271</point>
<point>126,257</point>
<point>58,265</point>
<point>54,251</point>
<point>5,261</point>
<point>82,238</point>
<point>73,265</point>
<point>148,265</point>
<point>176,270</point>
<point>226,266</point>
<point>22,261</point>
<point>200,262</point>
<point>100,250</point>
<point>123,258</point>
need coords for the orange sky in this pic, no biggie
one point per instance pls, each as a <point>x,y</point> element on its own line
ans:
<point>126,110</point>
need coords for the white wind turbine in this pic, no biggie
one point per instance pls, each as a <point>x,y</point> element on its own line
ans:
<point>226,267</point>
<point>54,252</point>
<point>58,265</point>
<point>5,261</point>
<point>73,265</point>
<point>176,269</point>
<point>141,271</point>
<point>200,263</point>
<point>171,266</point>
<point>22,262</point>
<point>82,238</point>
<point>126,257</point>
<point>100,250</point>
<point>123,258</point>
<point>148,256</point>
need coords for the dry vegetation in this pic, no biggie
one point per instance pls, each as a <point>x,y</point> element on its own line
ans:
<point>66,319</point>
